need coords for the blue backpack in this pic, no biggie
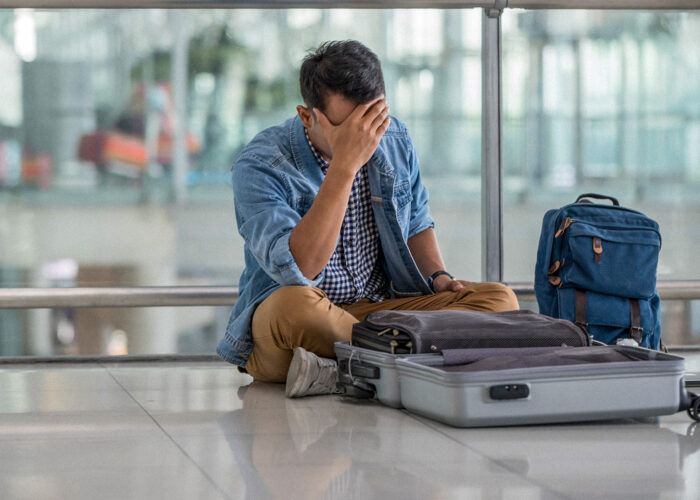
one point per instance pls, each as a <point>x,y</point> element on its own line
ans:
<point>596,266</point>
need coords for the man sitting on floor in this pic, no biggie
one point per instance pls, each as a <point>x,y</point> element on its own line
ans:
<point>336,225</point>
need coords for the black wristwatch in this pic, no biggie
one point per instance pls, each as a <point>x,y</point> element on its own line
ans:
<point>435,275</point>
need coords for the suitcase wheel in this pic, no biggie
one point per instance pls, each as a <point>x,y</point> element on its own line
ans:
<point>353,391</point>
<point>694,409</point>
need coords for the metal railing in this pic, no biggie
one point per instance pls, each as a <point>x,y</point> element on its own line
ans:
<point>182,296</point>
<point>353,4</point>
<point>147,296</point>
<point>668,290</point>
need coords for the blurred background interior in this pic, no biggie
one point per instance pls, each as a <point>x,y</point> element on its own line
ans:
<point>118,129</point>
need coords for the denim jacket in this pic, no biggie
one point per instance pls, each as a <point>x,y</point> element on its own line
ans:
<point>275,181</point>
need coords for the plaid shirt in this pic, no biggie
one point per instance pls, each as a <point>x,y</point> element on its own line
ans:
<point>353,271</point>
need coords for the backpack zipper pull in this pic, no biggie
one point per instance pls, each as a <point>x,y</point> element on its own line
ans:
<point>564,225</point>
<point>555,267</point>
<point>597,248</point>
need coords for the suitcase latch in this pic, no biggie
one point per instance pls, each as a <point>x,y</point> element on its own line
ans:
<point>509,391</point>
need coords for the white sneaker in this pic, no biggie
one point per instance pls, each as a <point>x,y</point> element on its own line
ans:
<point>310,375</point>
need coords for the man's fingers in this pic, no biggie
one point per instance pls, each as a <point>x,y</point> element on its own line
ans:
<point>376,114</point>
<point>384,126</point>
<point>379,119</point>
<point>375,110</point>
<point>362,109</point>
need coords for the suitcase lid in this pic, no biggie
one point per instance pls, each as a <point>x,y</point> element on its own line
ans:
<point>557,363</point>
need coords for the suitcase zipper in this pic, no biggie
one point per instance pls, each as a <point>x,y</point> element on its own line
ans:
<point>361,342</point>
<point>568,221</point>
<point>378,346</point>
<point>393,331</point>
<point>394,345</point>
<point>613,226</point>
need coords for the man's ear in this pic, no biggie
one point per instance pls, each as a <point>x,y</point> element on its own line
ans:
<point>307,117</point>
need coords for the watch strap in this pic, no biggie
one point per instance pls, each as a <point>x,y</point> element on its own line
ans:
<point>432,277</point>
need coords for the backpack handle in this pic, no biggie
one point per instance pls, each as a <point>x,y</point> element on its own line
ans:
<point>598,197</point>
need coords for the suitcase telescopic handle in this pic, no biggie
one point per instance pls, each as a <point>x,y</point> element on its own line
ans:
<point>597,197</point>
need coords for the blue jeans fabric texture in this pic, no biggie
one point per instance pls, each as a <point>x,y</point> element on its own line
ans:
<point>275,181</point>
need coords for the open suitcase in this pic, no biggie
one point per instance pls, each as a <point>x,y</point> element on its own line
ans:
<point>594,383</point>
<point>487,386</point>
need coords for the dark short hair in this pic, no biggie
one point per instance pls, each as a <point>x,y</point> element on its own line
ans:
<point>345,67</point>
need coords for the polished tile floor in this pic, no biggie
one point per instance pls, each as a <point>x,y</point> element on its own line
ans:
<point>200,430</point>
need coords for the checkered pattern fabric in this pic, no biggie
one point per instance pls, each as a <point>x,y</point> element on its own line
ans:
<point>354,271</point>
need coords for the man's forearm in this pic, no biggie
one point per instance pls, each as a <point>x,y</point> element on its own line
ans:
<point>426,252</point>
<point>315,236</point>
<point>351,144</point>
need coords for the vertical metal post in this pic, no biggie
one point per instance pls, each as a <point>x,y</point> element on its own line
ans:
<point>491,145</point>
<point>179,86</point>
<point>578,103</point>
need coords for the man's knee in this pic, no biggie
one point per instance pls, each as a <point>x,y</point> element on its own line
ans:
<point>499,296</point>
<point>505,297</point>
<point>290,303</point>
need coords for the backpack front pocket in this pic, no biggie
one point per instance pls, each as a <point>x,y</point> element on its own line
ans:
<point>612,260</point>
<point>608,317</point>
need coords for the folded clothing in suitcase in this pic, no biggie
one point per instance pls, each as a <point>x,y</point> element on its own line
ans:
<point>465,388</point>
<point>410,332</point>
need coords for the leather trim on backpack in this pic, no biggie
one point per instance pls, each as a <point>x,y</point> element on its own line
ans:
<point>555,280</point>
<point>580,307</point>
<point>636,329</point>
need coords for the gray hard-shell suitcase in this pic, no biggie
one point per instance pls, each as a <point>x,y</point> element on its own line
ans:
<point>468,389</point>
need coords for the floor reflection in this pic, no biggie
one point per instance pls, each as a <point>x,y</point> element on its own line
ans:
<point>344,453</point>
<point>321,448</point>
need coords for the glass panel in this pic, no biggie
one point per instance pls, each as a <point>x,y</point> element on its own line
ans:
<point>89,174</point>
<point>604,102</point>
<point>114,331</point>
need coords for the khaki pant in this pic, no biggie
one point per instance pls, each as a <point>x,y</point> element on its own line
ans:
<point>302,316</point>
